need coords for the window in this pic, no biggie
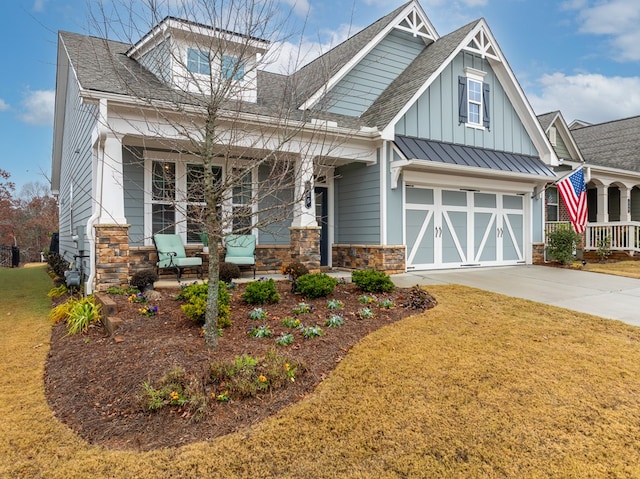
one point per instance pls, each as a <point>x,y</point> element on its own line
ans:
<point>473,99</point>
<point>163,193</point>
<point>232,68</point>
<point>552,203</point>
<point>241,202</point>
<point>198,61</point>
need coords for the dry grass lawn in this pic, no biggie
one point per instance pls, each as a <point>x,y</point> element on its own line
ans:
<point>630,269</point>
<point>481,386</point>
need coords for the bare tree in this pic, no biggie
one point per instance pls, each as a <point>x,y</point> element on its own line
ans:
<point>207,60</point>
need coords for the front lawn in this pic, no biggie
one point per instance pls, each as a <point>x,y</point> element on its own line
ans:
<point>481,386</point>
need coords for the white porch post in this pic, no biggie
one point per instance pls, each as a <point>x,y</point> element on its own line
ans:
<point>603,204</point>
<point>111,201</point>
<point>625,203</point>
<point>304,210</point>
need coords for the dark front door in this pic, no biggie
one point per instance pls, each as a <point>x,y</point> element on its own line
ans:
<point>322,217</point>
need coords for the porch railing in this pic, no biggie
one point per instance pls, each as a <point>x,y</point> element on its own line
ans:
<point>623,236</point>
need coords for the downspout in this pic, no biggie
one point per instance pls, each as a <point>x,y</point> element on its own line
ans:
<point>102,136</point>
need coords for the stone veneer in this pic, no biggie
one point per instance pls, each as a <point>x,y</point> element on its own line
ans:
<point>389,258</point>
<point>112,256</point>
<point>538,253</point>
<point>305,246</point>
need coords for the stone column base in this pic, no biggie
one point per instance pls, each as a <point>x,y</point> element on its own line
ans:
<point>537,256</point>
<point>112,256</point>
<point>388,258</point>
<point>305,246</point>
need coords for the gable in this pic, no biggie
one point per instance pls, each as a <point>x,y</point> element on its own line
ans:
<point>357,91</point>
<point>434,116</point>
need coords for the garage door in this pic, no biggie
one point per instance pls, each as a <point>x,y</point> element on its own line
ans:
<point>448,228</point>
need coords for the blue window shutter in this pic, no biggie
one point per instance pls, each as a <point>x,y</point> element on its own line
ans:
<point>462,100</point>
<point>486,118</point>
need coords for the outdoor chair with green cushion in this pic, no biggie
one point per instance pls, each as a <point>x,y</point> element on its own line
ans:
<point>171,254</point>
<point>241,250</point>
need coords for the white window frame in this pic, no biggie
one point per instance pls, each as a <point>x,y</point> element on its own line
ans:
<point>202,67</point>
<point>475,76</point>
<point>548,203</point>
<point>236,72</point>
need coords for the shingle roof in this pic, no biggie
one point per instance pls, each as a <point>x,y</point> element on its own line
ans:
<point>403,88</point>
<point>614,144</point>
<point>547,118</point>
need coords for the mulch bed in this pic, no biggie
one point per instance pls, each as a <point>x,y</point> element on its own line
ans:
<point>93,382</point>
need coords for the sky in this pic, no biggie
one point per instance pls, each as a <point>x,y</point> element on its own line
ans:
<point>581,57</point>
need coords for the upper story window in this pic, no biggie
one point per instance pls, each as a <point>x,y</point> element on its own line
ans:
<point>198,61</point>
<point>232,68</point>
<point>473,99</point>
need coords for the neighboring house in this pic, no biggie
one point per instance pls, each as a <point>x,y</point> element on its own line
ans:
<point>609,154</point>
<point>440,164</point>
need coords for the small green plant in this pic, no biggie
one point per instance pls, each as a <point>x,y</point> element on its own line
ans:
<point>85,312</point>
<point>372,281</point>
<point>121,291</point>
<point>58,291</point>
<point>562,244</point>
<point>137,298</point>
<point>334,304</point>
<point>228,271</point>
<point>367,299</point>
<point>143,279</point>
<point>386,303</point>
<point>311,332</point>
<point>148,310</point>
<point>173,389</point>
<point>366,313</point>
<point>285,339</point>
<point>260,331</point>
<point>257,314</point>
<point>316,285</point>
<point>302,308</point>
<point>334,321</point>
<point>61,312</point>
<point>604,248</point>
<point>291,322</point>
<point>261,292</point>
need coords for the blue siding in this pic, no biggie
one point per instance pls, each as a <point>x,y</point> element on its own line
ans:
<point>537,206</point>
<point>357,91</point>
<point>357,203</point>
<point>133,179</point>
<point>395,220</point>
<point>276,222</point>
<point>434,115</point>
<point>76,170</point>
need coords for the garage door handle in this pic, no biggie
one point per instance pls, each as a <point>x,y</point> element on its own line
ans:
<point>438,232</point>
<point>500,232</point>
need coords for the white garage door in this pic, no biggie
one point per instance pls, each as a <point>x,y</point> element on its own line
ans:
<point>448,228</point>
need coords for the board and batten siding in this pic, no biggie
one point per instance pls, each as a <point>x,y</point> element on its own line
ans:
<point>434,115</point>
<point>133,179</point>
<point>357,91</point>
<point>357,204</point>
<point>76,170</point>
<point>275,211</point>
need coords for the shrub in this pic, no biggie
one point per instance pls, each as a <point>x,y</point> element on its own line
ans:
<point>561,245</point>
<point>316,285</point>
<point>143,279</point>
<point>372,281</point>
<point>57,264</point>
<point>604,248</point>
<point>228,271</point>
<point>195,308</point>
<point>418,298</point>
<point>295,270</point>
<point>261,292</point>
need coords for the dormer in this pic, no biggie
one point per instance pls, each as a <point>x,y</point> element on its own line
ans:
<point>197,58</point>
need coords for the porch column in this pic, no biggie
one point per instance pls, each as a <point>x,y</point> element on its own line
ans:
<point>603,204</point>
<point>111,192</point>
<point>304,210</point>
<point>625,203</point>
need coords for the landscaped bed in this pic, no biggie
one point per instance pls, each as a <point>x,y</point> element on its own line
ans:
<point>94,382</point>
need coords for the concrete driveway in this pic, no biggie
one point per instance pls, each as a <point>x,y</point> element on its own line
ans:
<point>603,295</point>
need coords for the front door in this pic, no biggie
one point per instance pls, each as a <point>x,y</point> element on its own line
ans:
<point>322,217</point>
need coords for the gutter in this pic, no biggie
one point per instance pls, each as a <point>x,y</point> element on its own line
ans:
<point>102,136</point>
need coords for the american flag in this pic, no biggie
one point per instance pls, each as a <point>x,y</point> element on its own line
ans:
<point>573,192</point>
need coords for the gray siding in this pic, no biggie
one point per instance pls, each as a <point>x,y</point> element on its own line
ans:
<point>357,203</point>
<point>158,61</point>
<point>561,148</point>
<point>133,179</point>
<point>76,171</point>
<point>434,115</point>
<point>356,92</point>
<point>277,212</point>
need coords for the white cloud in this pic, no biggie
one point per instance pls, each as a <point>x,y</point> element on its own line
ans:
<point>37,107</point>
<point>590,97</point>
<point>300,7</point>
<point>617,19</point>
<point>3,105</point>
<point>38,5</point>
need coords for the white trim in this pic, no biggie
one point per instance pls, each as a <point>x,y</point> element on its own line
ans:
<point>383,196</point>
